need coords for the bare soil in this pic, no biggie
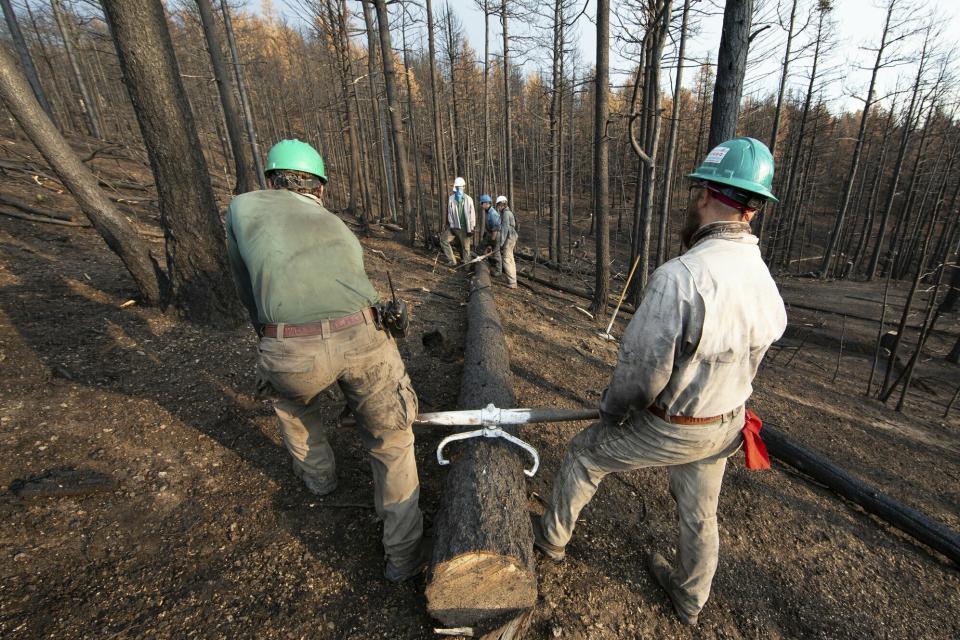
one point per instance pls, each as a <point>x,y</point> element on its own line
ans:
<point>208,533</point>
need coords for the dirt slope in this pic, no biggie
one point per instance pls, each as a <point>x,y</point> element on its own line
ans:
<point>208,534</point>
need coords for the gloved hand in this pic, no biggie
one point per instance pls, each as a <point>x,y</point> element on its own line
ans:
<point>607,418</point>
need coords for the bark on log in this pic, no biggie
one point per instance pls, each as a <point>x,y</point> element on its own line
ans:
<point>915,524</point>
<point>483,568</point>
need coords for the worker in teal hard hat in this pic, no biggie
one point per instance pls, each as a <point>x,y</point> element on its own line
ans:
<point>299,272</point>
<point>737,175</point>
<point>684,371</point>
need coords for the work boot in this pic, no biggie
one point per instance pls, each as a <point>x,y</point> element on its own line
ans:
<point>405,570</point>
<point>662,572</point>
<point>316,486</point>
<point>552,551</point>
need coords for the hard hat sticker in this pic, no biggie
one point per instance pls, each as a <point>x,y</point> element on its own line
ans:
<point>717,154</point>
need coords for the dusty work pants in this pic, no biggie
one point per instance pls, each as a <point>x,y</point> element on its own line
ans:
<point>446,240</point>
<point>366,365</point>
<point>696,457</point>
<point>495,261</point>
<point>509,262</point>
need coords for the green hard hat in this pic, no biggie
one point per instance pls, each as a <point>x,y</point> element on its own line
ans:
<point>297,156</point>
<point>743,163</point>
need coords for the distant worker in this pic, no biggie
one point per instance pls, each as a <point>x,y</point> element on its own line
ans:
<point>461,219</point>
<point>508,240</point>
<point>491,234</point>
<point>684,371</point>
<point>299,272</point>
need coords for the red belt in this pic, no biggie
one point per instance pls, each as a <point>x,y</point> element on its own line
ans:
<point>318,328</point>
<point>684,420</point>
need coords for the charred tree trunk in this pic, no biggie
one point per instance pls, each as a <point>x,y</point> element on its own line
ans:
<point>244,97</point>
<point>662,237</point>
<point>915,524</point>
<point>26,60</point>
<point>396,129</point>
<point>87,104</point>
<point>246,175</point>
<point>858,147</point>
<point>385,187</point>
<point>202,288</point>
<point>601,160</point>
<point>483,569</point>
<point>507,105</point>
<point>775,133</point>
<point>731,68</point>
<point>116,229</point>
<point>438,155</point>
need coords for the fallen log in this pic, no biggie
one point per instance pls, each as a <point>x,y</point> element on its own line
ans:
<point>42,219</point>
<point>483,568</point>
<point>917,525</point>
<point>26,207</point>
<point>586,294</point>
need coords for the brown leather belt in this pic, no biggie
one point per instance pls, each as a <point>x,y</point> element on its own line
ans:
<point>683,420</point>
<point>321,328</point>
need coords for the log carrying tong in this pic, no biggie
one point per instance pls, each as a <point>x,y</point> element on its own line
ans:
<point>491,418</point>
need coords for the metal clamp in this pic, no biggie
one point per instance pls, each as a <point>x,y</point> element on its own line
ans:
<point>490,417</point>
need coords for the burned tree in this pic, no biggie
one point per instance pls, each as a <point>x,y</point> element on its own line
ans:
<point>731,68</point>
<point>246,176</point>
<point>201,285</point>
<point>116,229</point>
<point>601,160</point>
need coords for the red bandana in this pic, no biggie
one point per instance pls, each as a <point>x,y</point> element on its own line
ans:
<point>753,447</point>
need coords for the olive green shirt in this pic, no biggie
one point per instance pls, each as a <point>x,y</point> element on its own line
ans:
<point>293,261</point>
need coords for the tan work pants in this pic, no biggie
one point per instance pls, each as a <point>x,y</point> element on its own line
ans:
<point>446,240</point>
<point>509,261</point>
<point>696,457</point>
<point>366,365</point>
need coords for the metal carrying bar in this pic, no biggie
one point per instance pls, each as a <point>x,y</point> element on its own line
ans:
<point>490,418</point>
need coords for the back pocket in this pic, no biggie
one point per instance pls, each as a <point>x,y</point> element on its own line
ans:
<point>286,363</point>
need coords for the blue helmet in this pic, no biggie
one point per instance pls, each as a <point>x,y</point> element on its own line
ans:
<point>486,198</point>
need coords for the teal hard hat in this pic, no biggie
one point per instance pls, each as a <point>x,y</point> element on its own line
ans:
<point>743,163</point>
<point>296,156</point>
<point>486,198</point>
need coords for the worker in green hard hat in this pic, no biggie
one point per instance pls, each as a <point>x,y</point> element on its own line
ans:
<point>738,175</point>
<point>299,272</point>
<point>684,371</point>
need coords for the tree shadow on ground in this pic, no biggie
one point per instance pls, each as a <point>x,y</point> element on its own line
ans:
<point>191,373</point>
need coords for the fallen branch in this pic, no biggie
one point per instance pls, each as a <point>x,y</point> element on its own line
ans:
<point>29,208</point>
<point>42,219</point>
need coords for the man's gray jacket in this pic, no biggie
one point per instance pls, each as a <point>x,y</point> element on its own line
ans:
<point>705,322</point>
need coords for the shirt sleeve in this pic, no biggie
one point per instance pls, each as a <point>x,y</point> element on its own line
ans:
<point>656,336</point>
<point>241,277</point>
<point>451,214</point>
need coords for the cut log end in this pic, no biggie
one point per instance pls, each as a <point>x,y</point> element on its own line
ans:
<point>480,586</point>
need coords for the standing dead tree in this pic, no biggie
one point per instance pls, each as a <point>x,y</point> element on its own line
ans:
<point>731,69</point>
<point>601,161</point>
<point>891,34</point>
<point>246,176</point>
<point>116,229</point>
<point>201,285</point>
<point>242,90</point>
<point>26,60</point>
<point>656,17</point>
<point>88,105</point>
<point>408,215</point>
